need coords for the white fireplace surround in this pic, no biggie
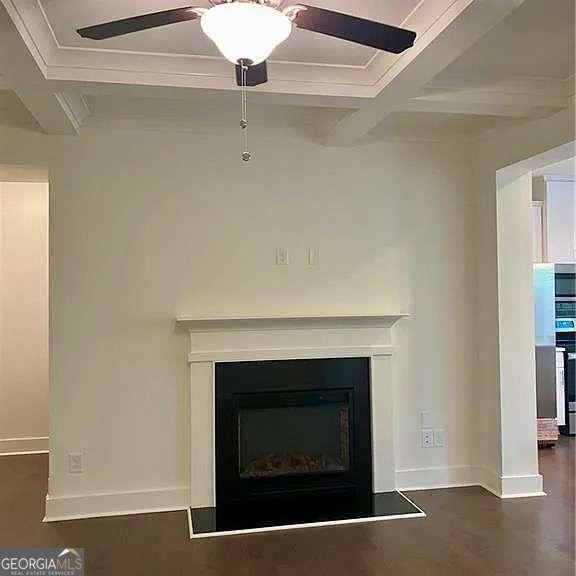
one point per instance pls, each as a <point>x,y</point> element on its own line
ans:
<point>231,339</point>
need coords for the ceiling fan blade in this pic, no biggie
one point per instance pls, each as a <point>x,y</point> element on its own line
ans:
<point>354,29</point>
<point>255,75</point>
<point>136,23</point>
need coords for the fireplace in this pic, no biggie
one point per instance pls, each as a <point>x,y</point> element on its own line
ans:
<point>292,434</point>
<point>292,423</point>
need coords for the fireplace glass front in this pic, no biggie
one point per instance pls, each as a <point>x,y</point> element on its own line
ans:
<point>310,438</point>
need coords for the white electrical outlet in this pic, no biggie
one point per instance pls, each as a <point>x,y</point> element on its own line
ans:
<point>439,438</point>
<point>282,257</point>
<point>313,256</point>
<point>427,437</point>
<point>75,462</point>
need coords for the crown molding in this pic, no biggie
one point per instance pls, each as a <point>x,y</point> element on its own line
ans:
<point>74,106</point>
<point>33,31</point>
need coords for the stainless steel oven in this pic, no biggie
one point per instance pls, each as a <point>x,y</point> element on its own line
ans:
<point>565,290</point>
<point>564,275</point>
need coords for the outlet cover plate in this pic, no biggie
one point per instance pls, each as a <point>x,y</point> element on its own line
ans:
<point>427,437</point>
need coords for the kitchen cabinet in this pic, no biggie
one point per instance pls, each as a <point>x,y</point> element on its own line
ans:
<point>557,226</point>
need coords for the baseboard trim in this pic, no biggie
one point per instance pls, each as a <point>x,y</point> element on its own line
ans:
<point>78,506</point>
<point>437,477</point>
<point>504,487</point>
<point>522,486</point>
<point>523,495</point>
<point>489,480</point>
<point>19,446</point>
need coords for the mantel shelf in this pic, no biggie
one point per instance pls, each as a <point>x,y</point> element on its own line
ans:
<point>201,324</point>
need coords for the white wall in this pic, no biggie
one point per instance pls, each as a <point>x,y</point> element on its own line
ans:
<point>147,225</point>
<point>23,316</point>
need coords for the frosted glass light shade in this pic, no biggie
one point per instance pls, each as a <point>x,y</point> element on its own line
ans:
<point>245,30</point>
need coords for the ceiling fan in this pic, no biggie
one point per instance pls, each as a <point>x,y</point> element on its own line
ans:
<point>247,31</point>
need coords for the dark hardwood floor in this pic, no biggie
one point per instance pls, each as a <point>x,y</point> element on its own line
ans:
<point>467,532</point>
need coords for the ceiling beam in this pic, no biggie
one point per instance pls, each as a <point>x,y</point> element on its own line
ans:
<point>451,35</point>
<point>472,108</point>
<point>516,99</point>
<point>55,112</point>
<point>486,102</point>
<point>519,99</point>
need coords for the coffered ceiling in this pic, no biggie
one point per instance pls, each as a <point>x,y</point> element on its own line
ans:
<point>181,55</point>
<point>475,64</point>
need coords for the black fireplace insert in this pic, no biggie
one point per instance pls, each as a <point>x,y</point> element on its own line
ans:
<point>293,437</point>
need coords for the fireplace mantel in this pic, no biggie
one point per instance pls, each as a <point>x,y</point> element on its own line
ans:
<point>236,339</point>
<point>263,338</point>
<point>230,323</point>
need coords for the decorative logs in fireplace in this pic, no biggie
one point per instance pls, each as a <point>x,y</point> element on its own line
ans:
<point>282,463</point>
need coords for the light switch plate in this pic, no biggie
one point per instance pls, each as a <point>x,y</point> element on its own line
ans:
<point>75,462</point>
<point>282,257</point>
<point>439,438</point>
<point>313,256</point>
<point>426,420</point>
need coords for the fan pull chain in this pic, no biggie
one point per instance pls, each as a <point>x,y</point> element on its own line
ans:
<point>244,120</point>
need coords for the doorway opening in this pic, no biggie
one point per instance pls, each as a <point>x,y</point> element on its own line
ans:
<point>521,314</point>
<point>24,310</point>
<point>554,210</point>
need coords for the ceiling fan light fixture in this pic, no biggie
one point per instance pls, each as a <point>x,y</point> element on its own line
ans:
<point>245,30</point>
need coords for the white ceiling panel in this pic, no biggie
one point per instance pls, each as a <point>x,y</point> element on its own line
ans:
<point>535,41</point>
